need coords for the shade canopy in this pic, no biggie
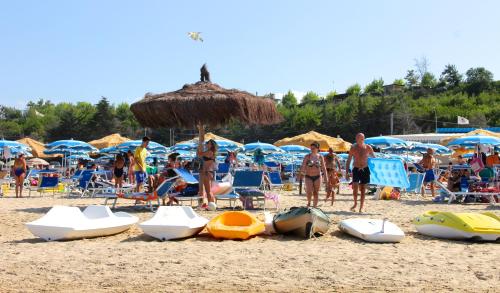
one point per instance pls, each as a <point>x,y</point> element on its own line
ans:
<point>325,141</point>
<point>447,140</point>
<point>473,140</point>
<point>109,141</point>
<point>204,103</point>
<point>37,162</point>
<point>36,146</point>
<point>217,138</point>
<point>385,141</point>
<point>265,147</point>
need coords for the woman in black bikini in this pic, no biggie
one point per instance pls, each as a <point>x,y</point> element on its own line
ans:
<point>207,173</point>
<point>118,167</point>
<point>312,168</point>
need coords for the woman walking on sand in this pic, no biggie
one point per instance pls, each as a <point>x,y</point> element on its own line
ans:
<point>313,167</point>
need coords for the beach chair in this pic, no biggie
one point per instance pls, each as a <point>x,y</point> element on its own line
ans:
<point>275,180</point>
<point>190,179</point>
<point>222,170</point>
<point>459,196</point>
<point>82,183</point>
<point>244,185</point>
<point>138,197</point>
<point>416,182</point>
<point>46,183</point>
<point>272,166</point>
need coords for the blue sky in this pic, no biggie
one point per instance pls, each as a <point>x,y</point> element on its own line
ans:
<point>82,50</point>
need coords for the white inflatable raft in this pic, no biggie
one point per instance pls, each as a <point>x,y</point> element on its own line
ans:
<point>64,223</point>
<point>174,222</point>
<point>372,230</point>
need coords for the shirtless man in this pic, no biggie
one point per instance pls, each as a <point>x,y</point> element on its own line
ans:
<point>332,165</point>
<point>360,173</point>
<point>428,162</point>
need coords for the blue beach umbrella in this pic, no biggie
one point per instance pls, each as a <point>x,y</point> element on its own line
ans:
<point>292,148</point>
<point>70,144</point>
<point>265,147</point>
<point>13,144</point>
<point>133,144</point>
<point>385,141</point>
<point>473,140</point>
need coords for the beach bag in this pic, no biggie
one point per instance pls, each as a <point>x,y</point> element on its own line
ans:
<point>476,165</point>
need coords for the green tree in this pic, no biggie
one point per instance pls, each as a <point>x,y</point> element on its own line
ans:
<point>450,77</point>
<point>428,80</point>
<point>104,121</point>
<point>399,81</point>
<point>411,79</point>
<point>376,87</point>
<point>353,90</point>
<point>289,100</point>
<point>310,98</point>
<point>331,96</point>
<point>478,80</point>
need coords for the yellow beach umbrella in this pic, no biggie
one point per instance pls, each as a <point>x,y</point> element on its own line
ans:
<point>447,140</point>
<point>109,141</point>
<point>37,147</point>
<point>325,141</point>
<point>209,136</point>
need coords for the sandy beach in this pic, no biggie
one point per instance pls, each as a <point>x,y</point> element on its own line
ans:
<point>132,261</point>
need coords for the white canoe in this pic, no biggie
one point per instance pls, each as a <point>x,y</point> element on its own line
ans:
<point>372,230</point>
<point>65,223</point>
<point>174,222</point>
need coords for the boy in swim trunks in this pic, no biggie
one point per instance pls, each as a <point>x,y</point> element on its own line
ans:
<point>360,173</point>
<point>428,162</point>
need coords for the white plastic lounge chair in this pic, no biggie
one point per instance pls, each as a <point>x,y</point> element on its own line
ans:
<point>174,222</point>
<point>64,223</point>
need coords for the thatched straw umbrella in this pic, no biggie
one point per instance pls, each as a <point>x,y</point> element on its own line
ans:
<point>204,104</point>
<point>108,141</point>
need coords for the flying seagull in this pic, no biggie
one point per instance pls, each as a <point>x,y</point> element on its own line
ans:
<point>195,36</point>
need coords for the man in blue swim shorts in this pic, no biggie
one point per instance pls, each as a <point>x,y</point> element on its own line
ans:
<point>428,162</point>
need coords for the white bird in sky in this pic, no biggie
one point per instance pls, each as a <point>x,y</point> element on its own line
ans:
<point>195,36</point>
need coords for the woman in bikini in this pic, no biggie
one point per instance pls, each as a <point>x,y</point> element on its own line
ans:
<point>118,167</point>
<point>20,173</point>
<point>207,173</point>
<point>312,168</point>
<point>130,173</point>
<point>333,169</point>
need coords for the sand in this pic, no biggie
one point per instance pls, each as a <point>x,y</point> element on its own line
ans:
<point>132,261</point>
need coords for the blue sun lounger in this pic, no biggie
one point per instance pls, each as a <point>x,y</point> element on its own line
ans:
<point>46,183</point>
<point>185,195</point>
<point>416,181</point>
<point>388,172</point>
<point>245,186</point>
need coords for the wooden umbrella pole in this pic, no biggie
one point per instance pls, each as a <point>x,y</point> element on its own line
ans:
<point>201,140</point>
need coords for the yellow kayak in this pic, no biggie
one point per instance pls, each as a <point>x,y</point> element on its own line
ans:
<point>475,226</point>
<point>235,225</point>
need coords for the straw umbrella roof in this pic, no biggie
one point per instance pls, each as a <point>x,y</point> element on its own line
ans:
<point>204,103</point>
<point>109,141</point>
<point>210,135</point>
<point>447,140</point>
<point>325,141</point>
<point>37,147</point>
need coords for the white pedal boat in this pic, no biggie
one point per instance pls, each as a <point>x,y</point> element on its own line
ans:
<point>65,223</point>
<point>174,222</point>
<point>372,230</point>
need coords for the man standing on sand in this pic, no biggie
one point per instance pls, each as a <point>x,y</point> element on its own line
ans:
<point>360,173</point>
<point>428,162</point>
<point>140,163</point>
